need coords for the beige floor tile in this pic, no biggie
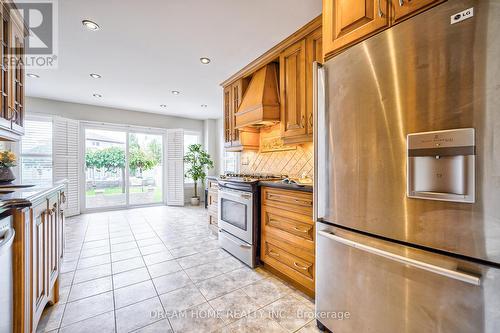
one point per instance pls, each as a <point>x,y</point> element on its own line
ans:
<point>203,272</point>
<point>134,293</point>
<point>130,277</point>
<point>90,288</point>
<point>138,315</point>
<point>170,282</point>
<point>92,273</point>
<point>290,312</point>
<point>87,308</point>
<point>162,326</point>
<point>267,291</point>
<point>217,286</point>
<point>181,299</point>
<point>94,261</point>
<point>156,258</point>
<point>233,306</point>
<point>123,255</point>
<point>104,323</point>
<point>201,318</point>
<point>124,246</point>
<point>164,268</point>
<point>256,322</point>
<point>310,328</point>
<point>127,265</point>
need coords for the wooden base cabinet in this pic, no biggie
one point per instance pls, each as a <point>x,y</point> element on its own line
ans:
<point>212,205</point>
<point>288,236</point>
<point>38,256</point>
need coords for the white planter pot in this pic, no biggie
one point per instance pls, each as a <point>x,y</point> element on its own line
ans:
<point>195,201</point>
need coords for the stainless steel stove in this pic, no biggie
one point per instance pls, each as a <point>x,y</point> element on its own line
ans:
<point>239,206</point>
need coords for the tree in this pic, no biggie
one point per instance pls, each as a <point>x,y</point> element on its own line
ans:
<point>197,161</point>
<point>109,159</point>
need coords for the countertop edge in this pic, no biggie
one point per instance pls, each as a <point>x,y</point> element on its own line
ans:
<point>300,188</point>
<point>20,203</point>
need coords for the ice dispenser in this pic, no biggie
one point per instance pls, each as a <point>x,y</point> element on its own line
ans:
<point>441,165</point>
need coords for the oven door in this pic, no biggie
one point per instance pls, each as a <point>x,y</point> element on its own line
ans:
<point>235,213</point>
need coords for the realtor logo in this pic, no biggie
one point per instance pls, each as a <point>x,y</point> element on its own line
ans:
<point>40,19</point>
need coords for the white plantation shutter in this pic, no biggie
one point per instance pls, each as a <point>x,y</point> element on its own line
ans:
<point>66,160</point>
<point>175,167</point>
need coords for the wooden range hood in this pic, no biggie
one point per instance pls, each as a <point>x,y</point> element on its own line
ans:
<point>261,103</point>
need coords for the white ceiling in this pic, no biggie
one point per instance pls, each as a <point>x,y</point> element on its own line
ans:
<point>145,49</point>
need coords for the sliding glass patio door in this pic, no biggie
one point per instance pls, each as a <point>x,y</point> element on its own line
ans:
<point>145,165</point>
<point>123,168</point>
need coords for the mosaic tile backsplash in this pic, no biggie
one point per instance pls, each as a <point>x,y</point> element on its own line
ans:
<point>293,163</point>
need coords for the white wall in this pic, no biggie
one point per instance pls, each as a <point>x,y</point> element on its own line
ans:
<point>220,145</point>
<point>109,115</point>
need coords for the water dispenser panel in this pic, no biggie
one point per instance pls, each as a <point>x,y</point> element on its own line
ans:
<point>441,165</point>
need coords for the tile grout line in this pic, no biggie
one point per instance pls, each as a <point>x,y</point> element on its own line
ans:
<point>73,278</point>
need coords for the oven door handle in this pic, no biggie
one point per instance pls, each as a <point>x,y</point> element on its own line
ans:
<point>243,245</point>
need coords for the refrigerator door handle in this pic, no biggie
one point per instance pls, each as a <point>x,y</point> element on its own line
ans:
<point>319,101</point>
<point>453,274</point>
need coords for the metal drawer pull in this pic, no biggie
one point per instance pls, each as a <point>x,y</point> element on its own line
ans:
<point>456,275</point>
<point>299,230</point>
<point>380,12</point>
<point>299,266</point>
<point>245,246</point>
<point>274,254</point>
<point>401,3</point>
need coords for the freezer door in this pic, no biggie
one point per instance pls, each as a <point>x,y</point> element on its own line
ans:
<point>368,285</point>
<point>422,75</point>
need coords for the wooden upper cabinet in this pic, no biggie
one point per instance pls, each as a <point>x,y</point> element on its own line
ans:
<point>314,52</point>
<point>12,48</point>
<point>403,9</point>
<point>17,80</point>
<point>237,90</point>
<point>237,139</point>
<point>347,21</point>
<point>293,90</point>
<point>227,117</point>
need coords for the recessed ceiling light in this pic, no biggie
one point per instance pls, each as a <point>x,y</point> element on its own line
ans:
<point>91,25</point>
<point>204,105</point>
<point>176,92</point>
<point>95,76</point>
<point>97,95</point>
<point>163,106</point>
<point>33,75</point>
<point>205,60</point>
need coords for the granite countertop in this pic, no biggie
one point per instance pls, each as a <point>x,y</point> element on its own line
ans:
<point>285,186</point>
<point>24,197</point>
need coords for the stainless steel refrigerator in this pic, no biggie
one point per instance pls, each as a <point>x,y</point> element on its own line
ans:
<point>407,173</point>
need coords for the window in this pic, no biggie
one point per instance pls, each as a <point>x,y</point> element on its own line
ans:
<point>36,152</point>
<point>190,138</point>
<point>231,162</point>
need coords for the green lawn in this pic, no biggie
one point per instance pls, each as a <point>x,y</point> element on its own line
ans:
<point>118,190</point>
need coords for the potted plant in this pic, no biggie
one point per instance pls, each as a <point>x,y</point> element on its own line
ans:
<point>7,160</point>
<point>197,161</point>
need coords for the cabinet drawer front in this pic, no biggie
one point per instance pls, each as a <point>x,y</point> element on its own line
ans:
<point>286,223</point>
<point>296,268</point>
<point>212,184</point>
<point>295,201</point>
